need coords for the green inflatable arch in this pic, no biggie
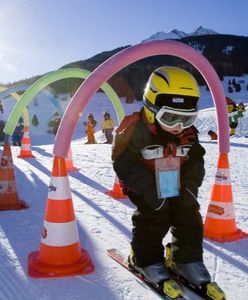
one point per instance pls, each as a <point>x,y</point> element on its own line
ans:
<point>50,78</point>
<point>25,111</point>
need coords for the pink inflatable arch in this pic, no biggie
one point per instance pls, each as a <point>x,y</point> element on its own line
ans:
<point>124,58</point>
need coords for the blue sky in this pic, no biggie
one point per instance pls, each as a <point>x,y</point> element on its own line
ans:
<point>38,36</point>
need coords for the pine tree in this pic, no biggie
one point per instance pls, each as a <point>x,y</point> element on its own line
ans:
<point>238,87</point>
<point>234,82</point>
<point>35,121</point>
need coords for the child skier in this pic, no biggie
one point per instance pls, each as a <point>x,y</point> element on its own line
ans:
<point>159,162</point>
<point>90,129</point>
<point>108,127</point>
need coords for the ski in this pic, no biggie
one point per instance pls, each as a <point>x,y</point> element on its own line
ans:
<point>187,293</point>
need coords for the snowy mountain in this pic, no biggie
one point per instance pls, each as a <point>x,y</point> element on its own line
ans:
<point>177,34</point>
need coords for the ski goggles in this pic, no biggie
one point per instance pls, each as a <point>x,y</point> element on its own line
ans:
<point>171,118</point>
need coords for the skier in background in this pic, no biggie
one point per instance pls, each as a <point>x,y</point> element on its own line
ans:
<point>159,161</point>
<point>90,129</point>
<point>18,133</point>
<point>54,123</point>
<point>108,127</point>
<point>2,135</point>
<point>1,107</point>
<point>233,115</point>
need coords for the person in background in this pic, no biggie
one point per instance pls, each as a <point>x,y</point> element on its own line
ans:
<point>53,123</point>
<point>159,161</point>
<point>90,129</point>
<point>56,123</point>
<point>233,115</point>
<point>241,107</point>
<point>2,134</point>
<point>18,133</point>
<point>1,107</point>
<point>108,127</point>
<point>212,135</point>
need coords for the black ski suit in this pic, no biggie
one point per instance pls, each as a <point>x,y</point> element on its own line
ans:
<point>181,214</point>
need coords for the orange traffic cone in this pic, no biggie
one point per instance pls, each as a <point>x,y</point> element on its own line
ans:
<point>25,146</point>
<point>116,192</point>
<point>220,222</point>
<point>9,199</point>
<point>60,254</point>
<point>69,163</point>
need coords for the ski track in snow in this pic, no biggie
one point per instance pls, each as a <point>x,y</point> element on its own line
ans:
<point>104,222</point>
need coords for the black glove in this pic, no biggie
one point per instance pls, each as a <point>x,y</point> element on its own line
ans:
<point>142,182</point>
<point>152,200</point>
<point>189,195</point>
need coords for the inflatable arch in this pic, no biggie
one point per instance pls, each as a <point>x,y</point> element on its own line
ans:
<point>122,59</point>
<point>24,87</point>
<point>17,98</point>
<point>48,79</point>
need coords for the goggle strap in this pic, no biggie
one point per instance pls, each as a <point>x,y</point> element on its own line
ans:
<point>152,107</point>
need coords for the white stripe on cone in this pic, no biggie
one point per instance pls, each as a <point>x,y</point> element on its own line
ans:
<point>6,162</point>
<point>59,234</point>
<point>220,210</point>
<point>7,186</point>
<point>222,177</point>
<point>25,146</point>
<point>59,188</point>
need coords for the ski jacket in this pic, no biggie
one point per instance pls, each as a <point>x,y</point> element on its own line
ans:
<point>136,172</point>
<point>107,124</point>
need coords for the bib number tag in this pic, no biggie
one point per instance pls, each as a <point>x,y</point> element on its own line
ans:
<point>167,177</point>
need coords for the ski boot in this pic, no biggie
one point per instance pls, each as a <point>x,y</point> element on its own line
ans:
<point>196,275</point>
<point>195,272</point>
<point>158,275</point>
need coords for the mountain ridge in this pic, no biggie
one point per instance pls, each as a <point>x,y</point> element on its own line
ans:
<point>227,54</point>
<point>178,34</point>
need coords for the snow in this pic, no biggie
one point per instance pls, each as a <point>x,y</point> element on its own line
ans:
<point>178,34</point>
<point>104,222</point>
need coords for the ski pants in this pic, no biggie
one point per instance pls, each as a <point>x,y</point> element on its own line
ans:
<point>91,138</point>
<point>109,135</point>
<point>150,227</point>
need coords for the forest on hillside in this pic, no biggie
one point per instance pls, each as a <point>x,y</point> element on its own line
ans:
<point>227,54</point>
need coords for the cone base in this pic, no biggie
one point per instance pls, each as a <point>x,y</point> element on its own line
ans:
<point>17,206</point>
<point>222,238</point>
<point>39,269</point>
<point>26,156</point>
<point>116,195</point>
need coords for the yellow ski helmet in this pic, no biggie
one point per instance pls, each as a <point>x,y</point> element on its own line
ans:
<point>171,87</point>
